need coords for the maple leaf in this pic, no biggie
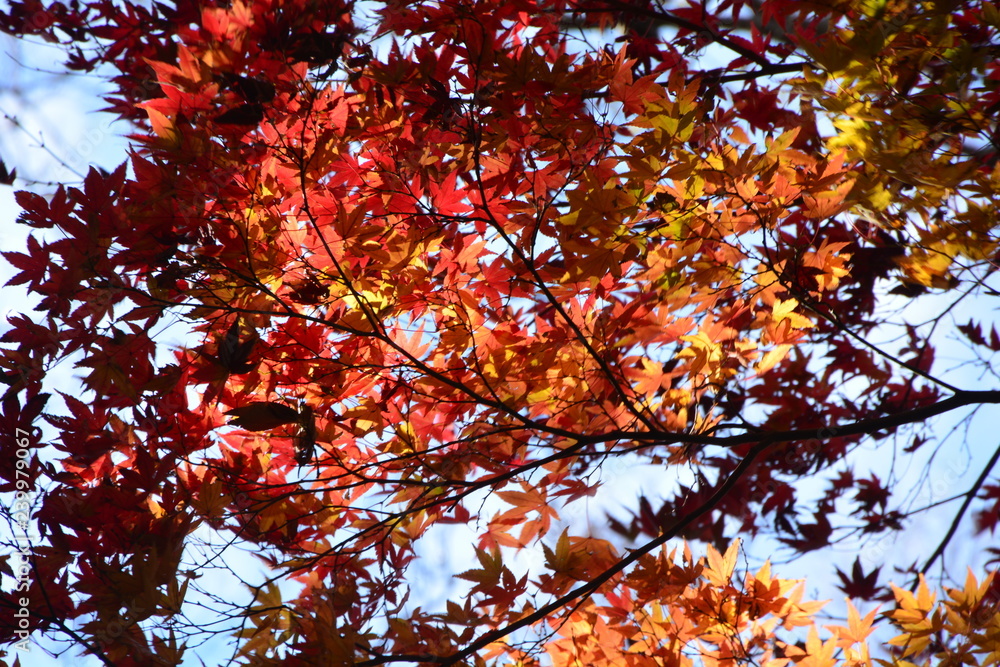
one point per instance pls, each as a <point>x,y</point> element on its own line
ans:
<point>250,113</point>
<point>255,90</point>
<point>7,177</point>
<point>870,493</point>
<point>861,586</point>
<point>234,353</point>
<point>305,446</point>
<point>262,416</point>
<point>33,265</point>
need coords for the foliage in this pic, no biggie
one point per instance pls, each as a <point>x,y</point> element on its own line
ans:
<point>444,263</point>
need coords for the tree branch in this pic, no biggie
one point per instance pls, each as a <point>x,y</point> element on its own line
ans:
<point>969,496</point>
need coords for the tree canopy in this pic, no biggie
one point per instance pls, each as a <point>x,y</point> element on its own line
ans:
<point>447,264</point>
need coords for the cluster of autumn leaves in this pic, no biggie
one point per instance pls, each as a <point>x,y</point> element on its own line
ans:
<point>701,611</point>
<point>433,253</point>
